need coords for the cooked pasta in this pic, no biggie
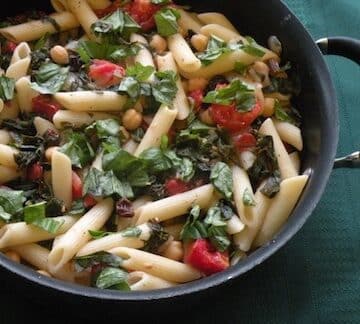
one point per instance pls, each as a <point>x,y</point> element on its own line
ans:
<point>135,153</point>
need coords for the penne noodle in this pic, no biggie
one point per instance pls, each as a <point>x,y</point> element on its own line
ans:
<point>77,119</point>
<point>289,133</point>
<point>7,156</point>
<point>234,225</point>
<point>241,187</point>
<point>156,265</point>
<point>99,4</point>
<point>10,110</point>
<point>25,93</point>
<point>280,208</point>
<point>142,281</point>
<point>35,29</point>
<point>21,52</point>
<point>1,105</point>
<point>287,169</point>
<point>62,5</point>
<point>176,205</point>
<point>91,101</point>
<point>221,32</point>
<point>183,55</point>
<point>43,125</point>
<point>59,5</point>
<point>216,18</point>
<point>20,62</point>
<point>78,235</point>
<point>8,174</point>
<point>295,160</point>
<point>181,102</point>
<point>4,137</point>
<point>22,233</point>
<point>159,126</point>
<point>61,177</point>
<point>188,22</point>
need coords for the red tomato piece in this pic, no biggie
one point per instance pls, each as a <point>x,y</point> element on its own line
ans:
<point>9,47</point>
<point>175,186</point>
<point>244,141</point>
<point>89,201</point>
<point>197,96</point>
<point>203,256</point>
<point>105,73</point>
<point>143,12</point>
<point>234,121</point>
<point>45,106</point>
<point>35,172</point>
<point>77,186</point>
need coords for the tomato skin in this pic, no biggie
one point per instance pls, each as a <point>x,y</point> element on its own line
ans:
<point>143,12</point>
<point>244,141</point>
<point>9,47</point>
<point>202,255</point>
<point>35,172</point>
<point>105,73</point>
<point>229,118</point>
<point>174,186</point>
<point>198,97</point>
<point>77,186</point>
<point>89,201</point>
<point>45,106</point>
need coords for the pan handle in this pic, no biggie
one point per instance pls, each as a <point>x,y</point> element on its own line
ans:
<point>349,48</point>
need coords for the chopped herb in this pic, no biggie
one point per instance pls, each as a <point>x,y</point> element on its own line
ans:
<point>215,48</point>
<point>140,72</point>
<point>164,88</point>
<point>11,203</point>
<point>131,232</point>
<point>240,68</point>
<point>166,21</point>
<point>252,48</point>
<point>282,115</point>
<point>50,78</point>
<point>103,258</point>
<point>248,198</point>
<point>112,278</point>
<point>7,86</point>
<point>98,234</point>
<point>193,228</point>
<point>158,237</point>
<point>221,178</point>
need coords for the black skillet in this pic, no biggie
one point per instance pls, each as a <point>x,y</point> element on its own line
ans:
<point>318,106</point>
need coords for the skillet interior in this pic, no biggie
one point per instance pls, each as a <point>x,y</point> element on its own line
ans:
<point>318,107</point>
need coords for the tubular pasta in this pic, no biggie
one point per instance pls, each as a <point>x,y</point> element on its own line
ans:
<point>7,174</point>
<point>222,32</point>
<point>25,93</point>
<point>42,125</point>
<point>142,281</point>
<point>20,62</point>
<point>4,137</point>
<point>216,18</point>
<point>7,156</point>
<point>188,22</point>
<point>289,133</point>
<point>295,160</point>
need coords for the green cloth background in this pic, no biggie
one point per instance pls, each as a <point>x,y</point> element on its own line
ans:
<point>316,277</point>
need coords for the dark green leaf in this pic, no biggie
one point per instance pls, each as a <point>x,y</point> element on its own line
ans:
<point>54,207</point>
<point>183,166</point>
<point>112,278</point>
<point>158,237</point>
<point>156,160</point>
<point>7,86</point>
<point>252,48</point>
<point>248,198</point>
<point>219,238</point>
<point>140,72</point>
<point>215,48</point>
<point>98,234</point>
<point>272,185</point>
<point>131,232</point>
<point>11,203</point>
<point>48,224</point>
<point>221,178</point>
<point>104,129</point>
<point>130,86</point>
<point>281,114</point>
<point>166,21</point>
<point>193,228</point>
<point>240,68</point>
<point>50,78</point>
<point>104,258</point>
<point>41,43</point>
<point>164,88</point>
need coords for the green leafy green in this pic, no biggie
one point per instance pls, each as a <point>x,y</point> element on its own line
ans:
<point>107,130</point>
<point>11,203</point>
<point>99,234</point>
<point>282,115</point>
<point>240,68</point>
<point>140,72</point>
<point>236,92</point>
<point>41,42</point>
<point>215,48</point>
<point>166,21</point>
<point>193,228</point>
<point>221,178</point>
<point>7,86</point>
<point>131,232</point>
<point>50,78</point>
<point>183,166</point>
<point>131,87</point>
<point>164,88</point>
<point>102,257</point>
<point>104,184</point>
<point>112,278</point>
<point>158,237</point>
<point>252,48</point>
<point>156,160</point>
<point>78,149</point>
<point>161,2</point>
<point>248,198</point>
<point>272,185</point>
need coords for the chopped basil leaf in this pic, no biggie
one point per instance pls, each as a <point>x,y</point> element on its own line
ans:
<point>105,130</point>
<point>140,72</point>
<point>7,86</point>
<point>166,21</point>
<point>272,185</point>
<point>112,278</point>
<point>183,166</point>
<point>252,48</point>
<point>281,114</point>
<point>104,184</point>
<point>221,178</point>
<point>248,198</point>
<point>102,257</point>
<point>50,78</point>
<point>98,234</point>
<point>48,224</point>
<point>131,232</point>
<point>11,203</point>
<point>164,88</point>
<point>215,48</point>
<point>193,228</point>
<point>130,86</point>
<point>78,149</point>
<point>158,237</point>
<point>237,92</point>
<point>240,68</point>
<point>41,43</point>
<point>156,160</point>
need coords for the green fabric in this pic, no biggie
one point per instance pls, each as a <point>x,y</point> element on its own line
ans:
<point>316,277</point>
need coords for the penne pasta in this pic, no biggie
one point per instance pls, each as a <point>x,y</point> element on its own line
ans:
<point>91,101</point>
<point>7,156</point>
<point>8,174</point>
<point>20,62</point>
<point>43,125</point>
<point>289,133</point>
<point>10,110</point>
<point>25,93</point>
<point>177,205</point>
<point>222,32</point>
<point>4,137</point>
<point>156,265</point>
<point>181,102</point>
<point>295,160</point>
<point>234,225</point>
<point>59,5</point>
<point>142,281</point>
<point>188,22</point>
<point>216,18</point>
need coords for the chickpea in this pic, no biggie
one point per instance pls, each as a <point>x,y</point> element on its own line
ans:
<point>206,118</point>
<point>59,55</point>
<point>196,84</point>
<point>49,152</point>
<point>44,273</point>
<point>174,251</point>
<point>131,119</point>
<point>14,256</point>
<point>199,42</point>
<point>158,43</point>
<point>269,105</point>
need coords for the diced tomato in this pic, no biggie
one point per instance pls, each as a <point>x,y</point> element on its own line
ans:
<point>143,12</point>
<point>105,73</point>
<point>231,119</point>
<point>203,256</point>
<point>244,141</point>
<point>89,201</point>
<point>175,186</point>
<point>45,106</point>
<point>9,47</point>
<point>197,96</point>
<point>34,172</point>
<point>77,186</point>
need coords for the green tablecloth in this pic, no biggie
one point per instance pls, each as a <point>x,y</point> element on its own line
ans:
<point>316,277</point>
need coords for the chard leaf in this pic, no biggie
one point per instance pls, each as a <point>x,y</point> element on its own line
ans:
<point>156,160</point>
<point>164,89</point>
<point>7,86</point>
<point>131,87</point>
<point>221,178</point>
<point>166,21</point>
<point>112,278</point>
<point>183,166</point>
<point>102,257</point>
<point>11,203</point>
<point>216,227</point>
<point>272,185</point>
